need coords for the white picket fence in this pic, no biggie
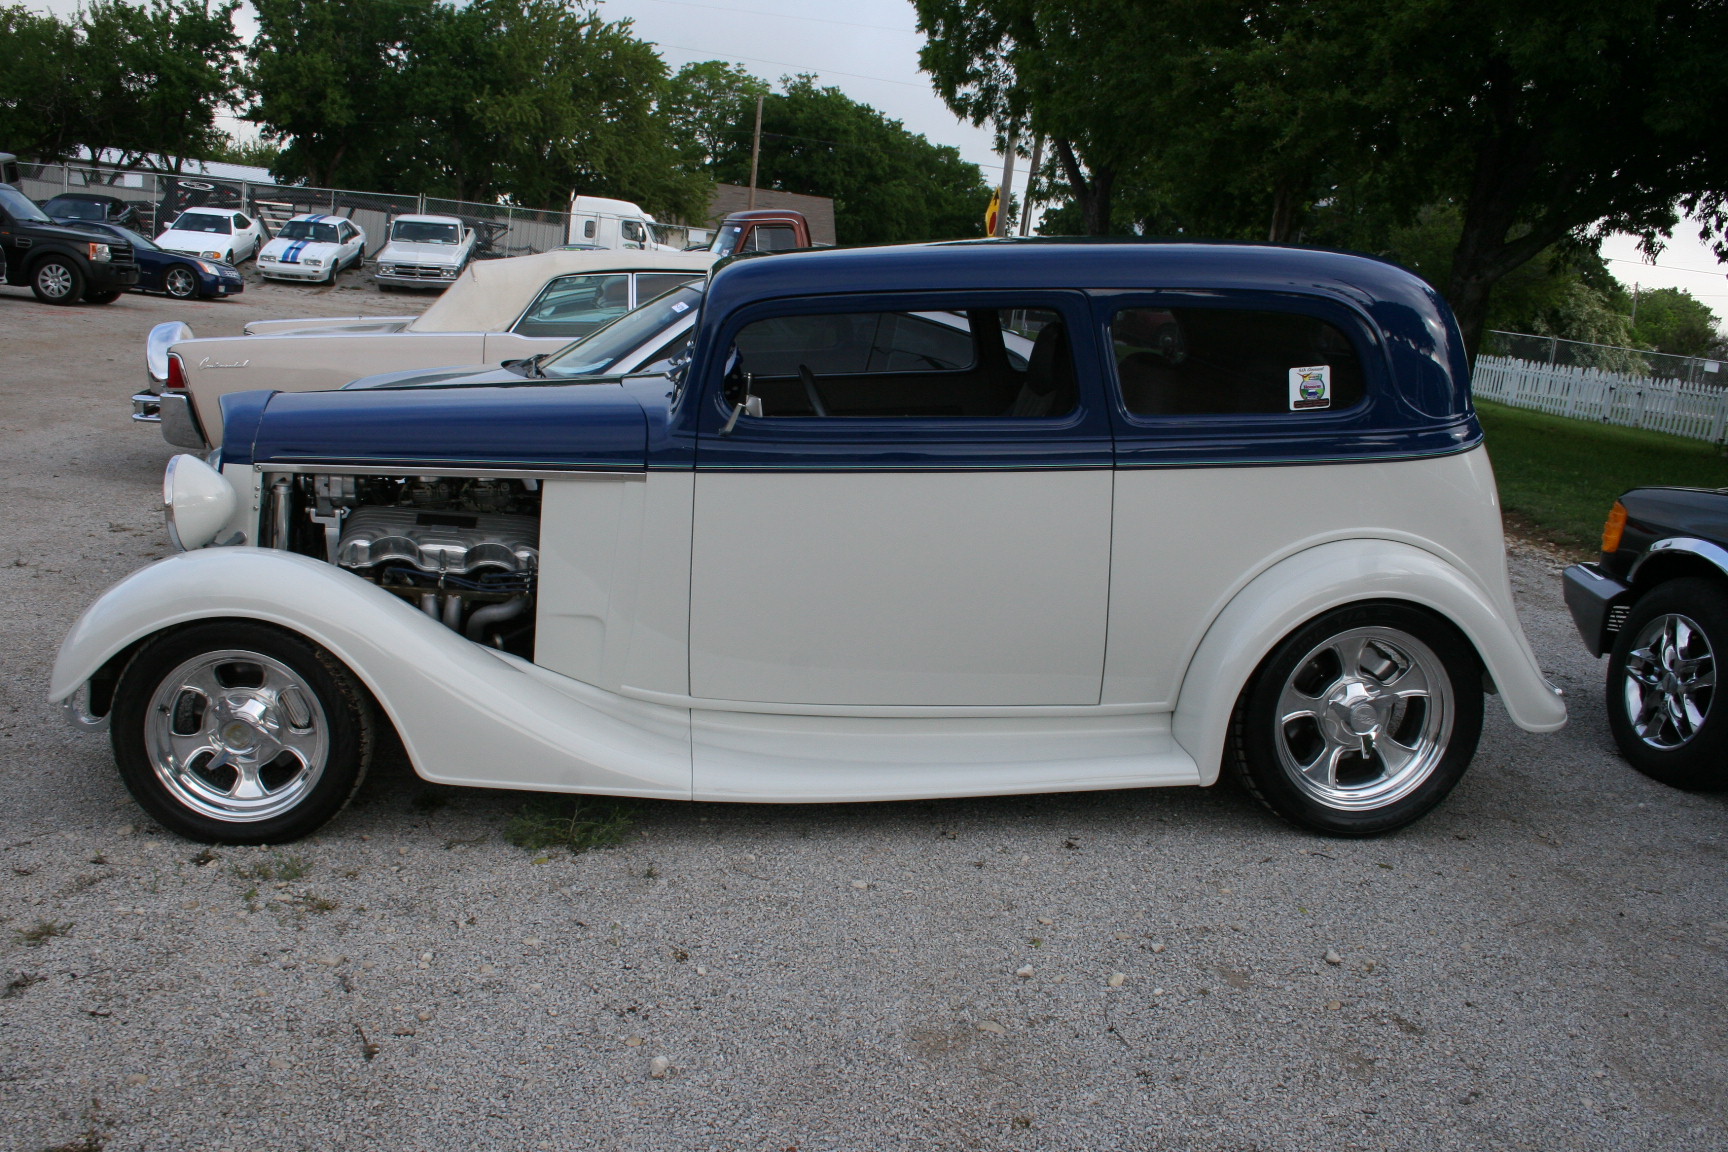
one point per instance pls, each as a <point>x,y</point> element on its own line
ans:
<point>1696,411</point>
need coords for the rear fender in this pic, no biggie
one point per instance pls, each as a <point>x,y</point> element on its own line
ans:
<point>1301,587</point>
<point>466,713</point>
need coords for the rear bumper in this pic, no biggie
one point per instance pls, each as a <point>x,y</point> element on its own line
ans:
<point>180,425</point>
<point>147,407</point>
<point>1598,603</point>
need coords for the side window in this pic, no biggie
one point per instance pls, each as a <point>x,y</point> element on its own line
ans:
<point>588,229</point>
<point>973,363</point>
<point>634,231</point>
<point>1216,361</point>
<point>652,284</point>
<point>241,222</point>
<point>576,305</point>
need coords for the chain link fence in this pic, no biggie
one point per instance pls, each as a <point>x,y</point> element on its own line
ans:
<point>157,197</point>
<point>1636,362</point>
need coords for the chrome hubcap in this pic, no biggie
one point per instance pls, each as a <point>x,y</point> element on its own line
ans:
<point>236,736</point>
<point>1670,681</point>
<point>55,280</point>
<point>180,282</point>
<point>1364,718</point>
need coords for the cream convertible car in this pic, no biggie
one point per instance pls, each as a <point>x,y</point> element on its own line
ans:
<point>1232,510</point>
<point>497,310</point>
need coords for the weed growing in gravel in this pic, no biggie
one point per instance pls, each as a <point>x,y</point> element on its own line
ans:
<point>41,932</point>
<point>318,904</point>
<point>577,825</point>
<point>278,867</point>
<point>18,983</point>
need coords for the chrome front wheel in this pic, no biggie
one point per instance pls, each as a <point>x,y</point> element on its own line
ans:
<point>1361,721</point>
<point>180,283</point>
<point>236,735</point>
<point>1661,693</point>
<point>240,733</point>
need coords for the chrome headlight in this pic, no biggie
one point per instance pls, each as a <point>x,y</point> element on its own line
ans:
<point>196,502</point>
<point>211,255</point>
<point>100,252</point>
<point>313,262</point>
<point>210,269</point>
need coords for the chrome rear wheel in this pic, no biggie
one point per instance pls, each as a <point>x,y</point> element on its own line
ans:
<point>1361,721</point>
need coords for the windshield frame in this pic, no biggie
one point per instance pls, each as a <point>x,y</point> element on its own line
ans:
<point>635,329</point>
<point>450,228</point>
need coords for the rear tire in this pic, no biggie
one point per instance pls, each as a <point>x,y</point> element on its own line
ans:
<point>234,732</point>
<point>1661,687</point>
<point>56,280</point>
<point>1360,721</point>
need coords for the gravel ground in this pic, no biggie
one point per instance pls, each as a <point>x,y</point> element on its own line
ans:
<point>1540,964</point>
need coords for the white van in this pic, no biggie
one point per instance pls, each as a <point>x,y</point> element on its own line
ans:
<point>599,222</point>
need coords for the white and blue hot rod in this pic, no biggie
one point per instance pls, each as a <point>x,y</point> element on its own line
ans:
<point>942,520</point>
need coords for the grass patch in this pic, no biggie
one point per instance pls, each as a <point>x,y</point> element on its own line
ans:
<point>41,932</point>
<point>278,867</point>
<point>1561,475</point>
<point>576,824</point>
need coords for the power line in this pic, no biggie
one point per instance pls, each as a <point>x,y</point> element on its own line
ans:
<point>787,16</point>
<point>1670,268</point>
<point>783,64</point>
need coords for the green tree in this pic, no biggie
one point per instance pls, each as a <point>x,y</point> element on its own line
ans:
<point>328,78</point>
<point>1672,320</point>
<point>154,77</point>
<point>1538,121</point>
<point>39,98</point>
<point>707,103</point>
<point>887,184</point>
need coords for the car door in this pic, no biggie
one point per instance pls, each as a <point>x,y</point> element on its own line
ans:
<point>911,519</point>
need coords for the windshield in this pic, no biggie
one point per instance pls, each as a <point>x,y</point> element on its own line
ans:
<point>21,207</point>
<point>597,352</point>
<point>726,242</point>
<point>79,209</point>
<point>426,232</point>
<point>308,230</point>
<point>203,222</point>
<point>142,243</point>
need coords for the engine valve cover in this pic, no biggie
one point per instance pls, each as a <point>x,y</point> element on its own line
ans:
<point>457,542</point>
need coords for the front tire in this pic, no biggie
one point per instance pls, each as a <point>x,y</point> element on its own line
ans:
<point>1361,721</point>
<point>1662,685</point>
<point>240,733</point>
<point>180,283</point>
<point>57,280</point>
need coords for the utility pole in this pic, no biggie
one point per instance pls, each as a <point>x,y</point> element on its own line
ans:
<point>1007,179</point>
<point>1634,303</point>
<point>755,151</point>
<point>1031,176</point>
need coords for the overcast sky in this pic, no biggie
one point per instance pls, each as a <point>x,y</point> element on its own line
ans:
<point>869,50</point>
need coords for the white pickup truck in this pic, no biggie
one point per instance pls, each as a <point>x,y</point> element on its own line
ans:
<point>423,252</point>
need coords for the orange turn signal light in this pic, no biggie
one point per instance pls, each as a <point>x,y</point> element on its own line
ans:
<point>1612,530</point>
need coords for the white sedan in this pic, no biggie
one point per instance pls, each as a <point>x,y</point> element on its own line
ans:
<point>214,234</point>
<point>313,246</point>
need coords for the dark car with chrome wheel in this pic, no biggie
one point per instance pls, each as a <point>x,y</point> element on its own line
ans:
<point>182,277</point>
<point>1656,604</point>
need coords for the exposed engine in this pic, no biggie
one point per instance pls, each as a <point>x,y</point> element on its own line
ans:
<point>464,551</point>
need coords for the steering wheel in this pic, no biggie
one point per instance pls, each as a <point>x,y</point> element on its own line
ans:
<point>809,380</point>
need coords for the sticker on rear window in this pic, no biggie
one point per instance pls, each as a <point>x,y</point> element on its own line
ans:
<point>1311,387</point>
<point>680,307</point>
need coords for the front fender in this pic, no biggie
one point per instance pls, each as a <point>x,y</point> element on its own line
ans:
<point>466,714</point>
<point>1301,587</point>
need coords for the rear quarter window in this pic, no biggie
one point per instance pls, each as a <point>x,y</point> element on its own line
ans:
<point>1230,361</point>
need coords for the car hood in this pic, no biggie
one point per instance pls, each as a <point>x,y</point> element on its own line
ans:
<point>424,253</point>
<point>529,425</point>
<point>455,374</point>
<point>196,241</point>
<point>295,251</point>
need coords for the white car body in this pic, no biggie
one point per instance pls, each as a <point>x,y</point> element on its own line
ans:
<point>854,552</point>
<point>313,246</point>
<point>225,234</point>
<point>424,252</point>
<point>491,314</point>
